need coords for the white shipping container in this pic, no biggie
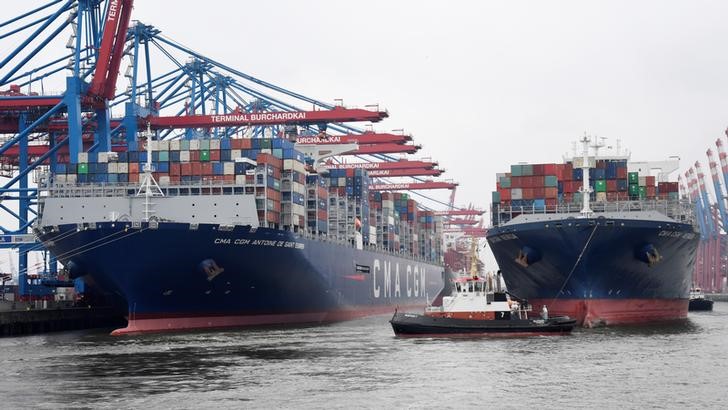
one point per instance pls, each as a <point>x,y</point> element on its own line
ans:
<point>71,178</point>
<point>266,151</point>
<point>288,164</point>
<point>516,193</point>
<point>387,203</point>
<point>184,156</point>
<point>235,153</point>
<point>164,180</point>
<point>214,144</point>
<point>578,161</point>
<point>174,145</point>
<point>601,197</point>
<point>239,179</point>
<point>113,168</point>
<point>194,145</point>
<point>61,178</point>
<point>155,145</point>
<point>122,168</point>
<point>298,188</point>
<point>643,181</point>
<point>83,157</point>
<point>163,145</point>
<point>103,157</point>
<point>228,168</point>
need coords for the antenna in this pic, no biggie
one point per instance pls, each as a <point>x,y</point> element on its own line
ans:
<point>149,186</point>
<point>585,188</point>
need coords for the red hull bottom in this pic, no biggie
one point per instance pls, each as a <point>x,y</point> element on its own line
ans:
<point>139,325</point>
<point>603,312</point>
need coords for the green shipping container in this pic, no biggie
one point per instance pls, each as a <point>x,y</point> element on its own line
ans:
<point>600,185</point>
<point>205,144</point>
<point>205,155</point>
<point>633,177</point>
<point>550,181</point>
<point>526,170</point>
<point>83,168</point>
<point>163,156</point>
<point>496,197</point>
<point>184,145</point>
<point>643,192</point>
<point>516,171</point>
<point>504,182</point>
<point>634,189</point>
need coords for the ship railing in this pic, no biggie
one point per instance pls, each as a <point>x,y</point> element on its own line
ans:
<point>681,210</point>
<point>75,190</point>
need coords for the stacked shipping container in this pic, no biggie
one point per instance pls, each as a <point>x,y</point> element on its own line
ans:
<point>287,196</point>
<point>543,186</point>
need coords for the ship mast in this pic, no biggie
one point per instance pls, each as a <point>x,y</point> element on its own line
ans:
<point>585,188</point>
<point>149,186</point>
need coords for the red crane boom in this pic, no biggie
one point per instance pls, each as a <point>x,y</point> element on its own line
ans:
<point>413,186</point>
<point>366,138</point>
<point>401,164</point>
<point>338,114</point>
<point>111,50</point>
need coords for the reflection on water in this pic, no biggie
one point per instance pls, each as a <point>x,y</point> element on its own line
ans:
<point>361,364</point>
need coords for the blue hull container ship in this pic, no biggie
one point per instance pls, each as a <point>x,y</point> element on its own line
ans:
<point>266,243</point>
<point>613,256</point>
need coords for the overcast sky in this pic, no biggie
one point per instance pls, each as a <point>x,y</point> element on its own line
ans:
<point>482,85</point>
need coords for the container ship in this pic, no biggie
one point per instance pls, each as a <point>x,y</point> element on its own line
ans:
<point>596,238</point>
<point>210,233</point>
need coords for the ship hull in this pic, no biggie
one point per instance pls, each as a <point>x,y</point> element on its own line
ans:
<point>178,276</point>
<point>599,271</point>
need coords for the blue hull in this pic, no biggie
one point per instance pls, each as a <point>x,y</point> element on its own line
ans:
<point>601,271</point>
<point>174,277</point>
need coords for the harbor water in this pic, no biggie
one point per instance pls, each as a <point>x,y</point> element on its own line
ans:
<point>360,364</point>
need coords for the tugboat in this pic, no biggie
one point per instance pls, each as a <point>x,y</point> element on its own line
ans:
<point>698,302</point>
<point>475,308</point>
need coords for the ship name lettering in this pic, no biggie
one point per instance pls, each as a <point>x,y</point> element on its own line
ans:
<point>407,276</point>
<point>222,241</point>
<point>374,278</point>
<point>397,289</point>
<point>416,285</point>
<point>387,279</point>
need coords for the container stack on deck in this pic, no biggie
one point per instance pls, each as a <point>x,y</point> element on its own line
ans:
<point>337,204</point>
<point>541,187</point>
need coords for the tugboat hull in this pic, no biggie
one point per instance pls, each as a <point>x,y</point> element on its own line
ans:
<point>409,324</point>
<point>700,304</point>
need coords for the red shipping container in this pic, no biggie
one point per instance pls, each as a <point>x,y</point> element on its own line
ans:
<point>269,159</point>
<point>516,182</point>
<point>174,169</point>
<point>551,202</point>
<point>196,168</point>
<point>134,177</point>
<point>194,156</point>
<point>236,143</point>
<point>505,194</point>
<point>133,168</point>
<point>214,155</point>
<point>550,169</point>
<point>651,191</point>
<point>246,143</point>
<point>611,185</point>
<point>527,193</point>
<point>622,173</point>
<point>249,179</point>
<point>206,168</point>
<point>650,180</point>
<point>539,192</point>
<point>186,168</point>
<point>218,178</point>
<point>551,193</point>
<point>612,196</point>
<point>538,169</point>
<point>174,179</point>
